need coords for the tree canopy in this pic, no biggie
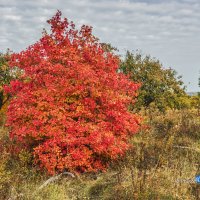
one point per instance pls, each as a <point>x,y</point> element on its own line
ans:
<point>160,86</point>
<point>5,76</point>
<point>69,107</point>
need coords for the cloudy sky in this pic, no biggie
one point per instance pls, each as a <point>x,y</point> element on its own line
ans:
<point>166,29</point>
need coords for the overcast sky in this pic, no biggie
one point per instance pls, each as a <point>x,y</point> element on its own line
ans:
<point>168,30</point>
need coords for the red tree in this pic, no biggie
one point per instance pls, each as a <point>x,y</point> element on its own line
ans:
<point>70,106</point>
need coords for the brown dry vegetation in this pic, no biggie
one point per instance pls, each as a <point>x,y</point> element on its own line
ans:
<point>162,165</point>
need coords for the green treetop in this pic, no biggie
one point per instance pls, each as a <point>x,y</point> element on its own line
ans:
<point>160,87</point>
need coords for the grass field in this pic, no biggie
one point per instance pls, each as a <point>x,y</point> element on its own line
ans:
<point>162,165</point>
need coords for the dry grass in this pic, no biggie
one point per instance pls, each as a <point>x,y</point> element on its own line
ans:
<point>164,160</point>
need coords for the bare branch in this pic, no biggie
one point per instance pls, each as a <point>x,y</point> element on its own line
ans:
<point>185,147</point>
<point>54,178</point>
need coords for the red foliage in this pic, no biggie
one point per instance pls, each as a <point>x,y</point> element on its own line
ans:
<point>70,106</point>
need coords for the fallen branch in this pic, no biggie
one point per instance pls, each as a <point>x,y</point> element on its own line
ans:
<point>185,147</point>
<point>54,178</point>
